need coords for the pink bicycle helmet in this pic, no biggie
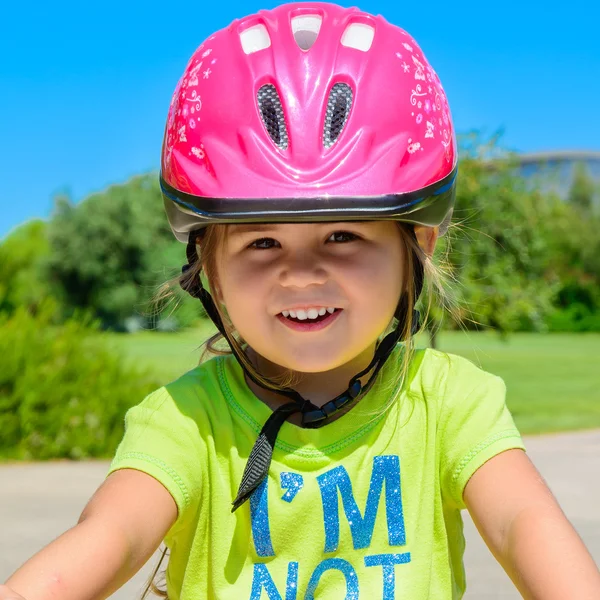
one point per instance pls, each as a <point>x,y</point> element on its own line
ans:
<point>308,112</point>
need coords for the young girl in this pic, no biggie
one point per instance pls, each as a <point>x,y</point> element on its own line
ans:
<point>309,163</point>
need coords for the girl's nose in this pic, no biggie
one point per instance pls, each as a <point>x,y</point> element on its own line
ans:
<point>302,270</point>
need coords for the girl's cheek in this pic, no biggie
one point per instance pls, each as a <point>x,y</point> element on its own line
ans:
<point>241,288</point>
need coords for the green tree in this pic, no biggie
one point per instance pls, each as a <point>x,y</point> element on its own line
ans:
<point>499,251</point>
<point>574,245</point>
<point>581,193</point>
<point>110,252</point>
<point>22,277</point>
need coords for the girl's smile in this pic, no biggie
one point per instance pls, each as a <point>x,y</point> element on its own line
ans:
<point>304,321</point>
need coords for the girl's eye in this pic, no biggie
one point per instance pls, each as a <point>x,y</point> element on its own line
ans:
<point>264,244</point>
<point>342,237</point>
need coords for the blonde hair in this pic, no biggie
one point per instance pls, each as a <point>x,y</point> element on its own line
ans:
<point>208,247</point>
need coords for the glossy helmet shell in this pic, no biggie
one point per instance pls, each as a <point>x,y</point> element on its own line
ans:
<point>269,123</point>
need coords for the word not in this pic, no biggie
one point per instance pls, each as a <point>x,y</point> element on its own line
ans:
<point>262,579</point>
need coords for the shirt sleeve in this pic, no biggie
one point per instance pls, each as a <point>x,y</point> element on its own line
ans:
<point>474,426</point>
<point>161,439</point>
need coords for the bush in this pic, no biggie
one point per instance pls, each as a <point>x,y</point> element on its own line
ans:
<point>63,391</point>
<point>575,318</point>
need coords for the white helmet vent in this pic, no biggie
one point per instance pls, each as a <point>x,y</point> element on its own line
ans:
<point>359,36</point>
<point>306,30</point>
<point>255,38</point>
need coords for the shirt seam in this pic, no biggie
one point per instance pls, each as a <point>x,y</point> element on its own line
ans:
<point>161,465</point>
<point>479,448</point>
<point>280,444</point>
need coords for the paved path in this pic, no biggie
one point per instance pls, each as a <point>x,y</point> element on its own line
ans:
<point>39,501</point>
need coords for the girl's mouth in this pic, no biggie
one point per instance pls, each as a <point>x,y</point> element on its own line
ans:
<point>305,325</point>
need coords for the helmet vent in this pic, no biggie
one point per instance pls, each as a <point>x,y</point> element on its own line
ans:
<point>306,29</point>
<point>359,36</point>
<point>338,109</point>
<point>271,112</point>
<point>255,38</point>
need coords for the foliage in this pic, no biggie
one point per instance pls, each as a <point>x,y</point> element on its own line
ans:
<point>574,244</point>
<point>499,250</point>
<point>63,392</point>
<point>110,252</point>
<point>22,280</point>
<point>581,194</point>
<point>575,318</point>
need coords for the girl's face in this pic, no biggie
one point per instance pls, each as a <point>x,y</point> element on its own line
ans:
<point>354,267</point>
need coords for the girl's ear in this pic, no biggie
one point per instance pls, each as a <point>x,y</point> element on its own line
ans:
<point>427,238</point>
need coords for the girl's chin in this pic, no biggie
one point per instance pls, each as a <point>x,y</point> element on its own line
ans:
<point>312,361</point>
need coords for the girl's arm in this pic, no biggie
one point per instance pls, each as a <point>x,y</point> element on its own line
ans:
<point>526,530</point>
<point>119,530</point>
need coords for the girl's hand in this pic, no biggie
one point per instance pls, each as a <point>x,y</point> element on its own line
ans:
<point>7,594</point>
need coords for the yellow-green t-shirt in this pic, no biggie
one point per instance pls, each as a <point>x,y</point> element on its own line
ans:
<point>365,507</point>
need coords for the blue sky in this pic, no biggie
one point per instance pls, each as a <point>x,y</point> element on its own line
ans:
<point>85,86</point>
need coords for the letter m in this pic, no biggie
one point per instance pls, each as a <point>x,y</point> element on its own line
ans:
<point>385,468</point>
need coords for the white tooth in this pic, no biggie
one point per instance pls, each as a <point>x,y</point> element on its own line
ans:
<point>330,309</point>
<point>293,313</point>
<point>285,313</point>
<point>322,311</point>
<point>312,313</point>
<point>301,314</point>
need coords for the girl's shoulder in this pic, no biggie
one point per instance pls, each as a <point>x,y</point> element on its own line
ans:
<point>204,376</point>
<point>189,393</point>
<point>445,375</point>
<point>468,412</point>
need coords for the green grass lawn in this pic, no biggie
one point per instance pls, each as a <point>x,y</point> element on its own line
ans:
<point>169,355</point>
<point>553,380</point>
